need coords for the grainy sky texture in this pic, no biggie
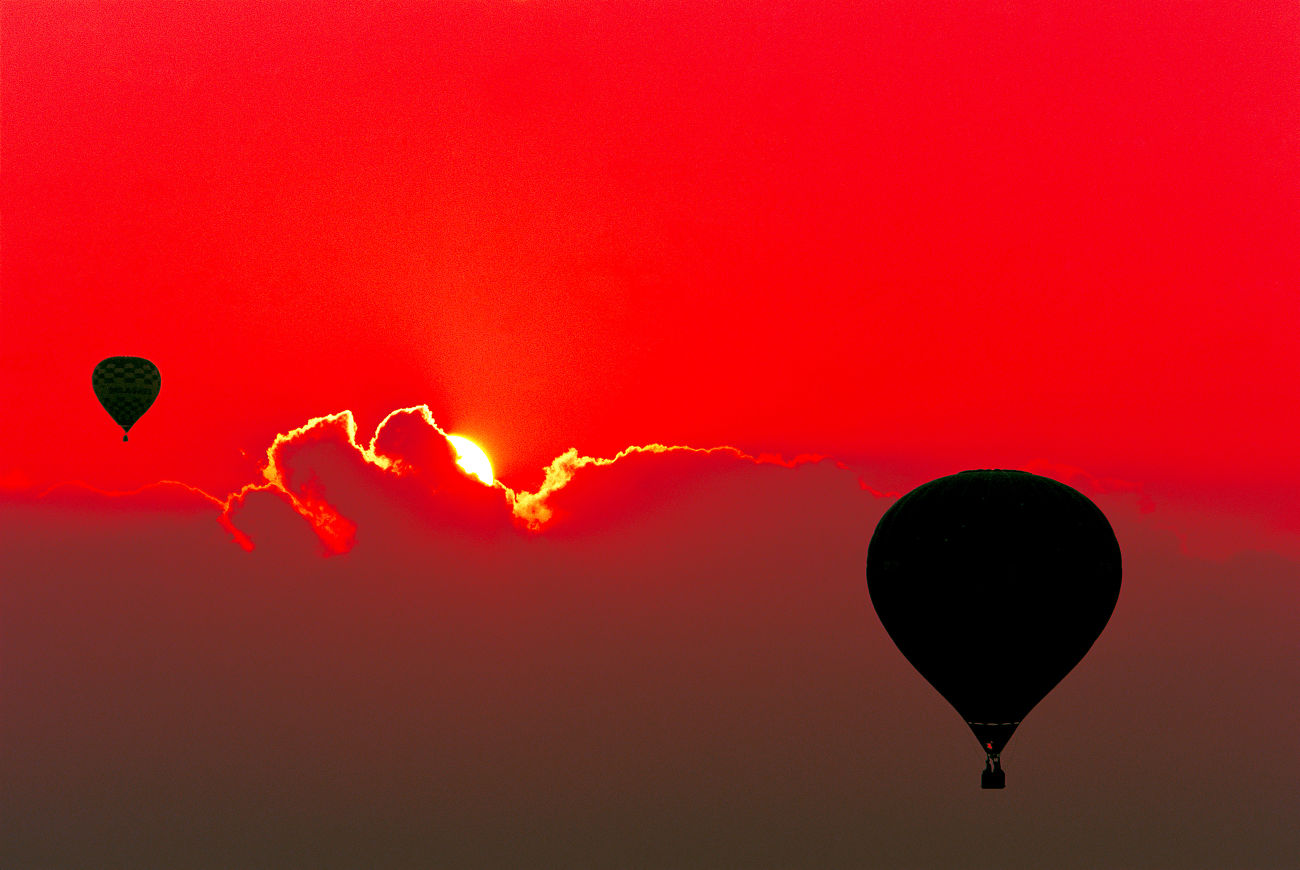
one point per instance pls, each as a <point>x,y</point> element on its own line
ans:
<point>851,246</point>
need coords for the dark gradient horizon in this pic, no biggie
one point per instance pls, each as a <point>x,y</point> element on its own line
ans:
<point>682,670</point>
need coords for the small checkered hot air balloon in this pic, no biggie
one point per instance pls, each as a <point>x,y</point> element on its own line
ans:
<point>126,386</point>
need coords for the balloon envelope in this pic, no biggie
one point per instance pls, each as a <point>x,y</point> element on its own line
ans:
<point>994,585</point>
<point>126,386</point>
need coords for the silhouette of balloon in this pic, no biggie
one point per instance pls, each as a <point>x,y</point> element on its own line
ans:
<point>126,386</point>
<point>994,585</point>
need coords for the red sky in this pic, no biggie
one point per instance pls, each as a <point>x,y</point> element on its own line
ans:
<point>912,238</point>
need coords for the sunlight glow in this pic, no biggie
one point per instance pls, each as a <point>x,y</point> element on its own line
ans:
<point>471,458</point>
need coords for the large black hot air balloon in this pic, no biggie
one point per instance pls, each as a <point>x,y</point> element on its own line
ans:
<point>126,386</point>
<point>994,585</point>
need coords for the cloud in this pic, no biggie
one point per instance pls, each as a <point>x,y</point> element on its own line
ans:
<point>329,477</point>
<point>679,666</point>
<point>533,508</point>
<point>467,697</point>
<point>326,473</point>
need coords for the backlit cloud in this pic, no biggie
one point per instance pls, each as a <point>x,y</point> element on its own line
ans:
<point>324,470</point>
<point>679,667</point>
<point>411,454</point>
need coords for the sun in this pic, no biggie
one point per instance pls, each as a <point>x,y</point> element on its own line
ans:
<point>471,458</point>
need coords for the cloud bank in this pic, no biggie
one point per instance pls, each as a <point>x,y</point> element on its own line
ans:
<point>325,474</point>
<point>675,664</point>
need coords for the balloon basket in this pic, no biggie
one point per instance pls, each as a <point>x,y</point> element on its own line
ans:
<point>993,776</point>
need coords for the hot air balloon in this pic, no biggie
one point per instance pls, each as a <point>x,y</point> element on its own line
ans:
<point>994,585</point>
<point>126,386</point>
